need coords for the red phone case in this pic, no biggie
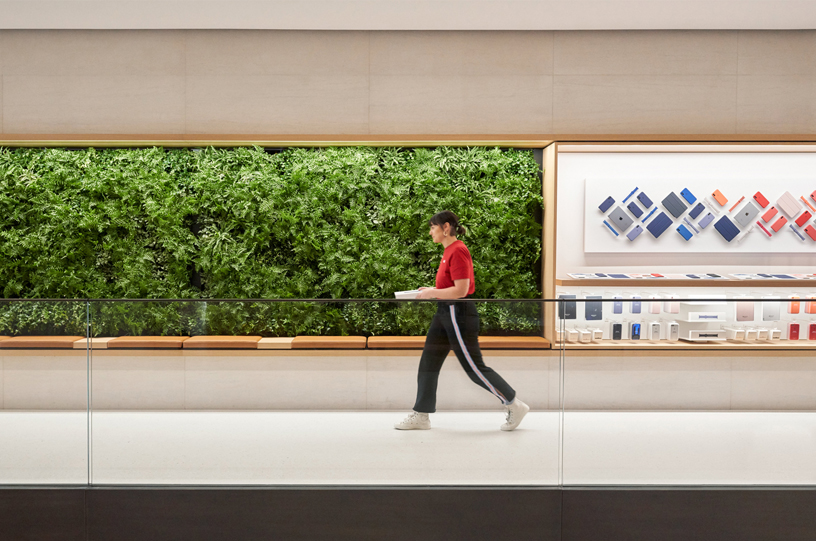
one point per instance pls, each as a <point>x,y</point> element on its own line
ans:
<point>802,220</point>
<point>770,214</point>
<point>793,331</point>
<point>812,334</point>
<point>759,198</point>
<point>779,224</point>
<point>811,232</point>
<point>813,196</point>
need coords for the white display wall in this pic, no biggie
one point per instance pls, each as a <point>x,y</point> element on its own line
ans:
<point>586,178</point>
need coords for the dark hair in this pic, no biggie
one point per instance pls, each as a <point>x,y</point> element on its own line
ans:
<point>446,216</point>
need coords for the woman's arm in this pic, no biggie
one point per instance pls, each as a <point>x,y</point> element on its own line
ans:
<point>458,291</point>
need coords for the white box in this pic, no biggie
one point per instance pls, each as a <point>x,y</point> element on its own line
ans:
<point>702,335</point>
<point>732,333</point>
<point>584,336</point>
<point>762,334</point>
<point>776,334</point>
<point>750,334</point>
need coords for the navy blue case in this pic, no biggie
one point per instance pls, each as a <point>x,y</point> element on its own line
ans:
<point>644,200</point>
<point>634,209</point>
<point>608,202</point>
<point>635,331</point>
<point>657,226</point>
<point>674,205</point>
<point>688,196</point>
<point>726,228</point>
<point>693,213</point>
<point>684,232</point>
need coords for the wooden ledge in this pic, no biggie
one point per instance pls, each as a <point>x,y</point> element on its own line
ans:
<point>95,343</point>
<point>513,342</point>
<point>41,342</point>
<point>222,342</point>
<point>275,343</point>
<point>147,342</point>
<point>329,342</point>
<point>396,342</point>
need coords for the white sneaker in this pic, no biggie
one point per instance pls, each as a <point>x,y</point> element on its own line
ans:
<point>515,413</point>
<point>415,421</point>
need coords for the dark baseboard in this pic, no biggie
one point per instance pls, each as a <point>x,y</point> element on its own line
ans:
<point>397,513</point>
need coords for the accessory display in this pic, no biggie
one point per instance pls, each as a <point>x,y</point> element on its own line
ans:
<point>620,219</point>
<point>567,310</point>
<point>644,200</point>
<point>635,307</point>
<point>617,305</point>
<point>608,202</point>
<point>633,234</point>
<point>634,209</point>
<point>769,214</point>
<point>793,304</point>
<point>811,232</point>
<point>612,229</point>
<point>636,331</point>
<point>759,198</point>
<point>657,226</point>
<point>688,196</point>
<point>648,215</point>
<point>674,331</point>
<point>654,330</point>
<point>741,199</point>
<point>726,228</point>
<point>779,224</point>
<point>770,310</point>
<point>630,194</point>
<point>705,220</point>
<point>693,213</point>
<point>747,214</point>
<point>798,234</point>
<point>593,310</point>
<point>674,205</point>
<point>685,233</point>
<point>617,330</point>
<point>803,219</point>
<point>788,204</point>
<point>719,198</point>
<point>793,331</point>
<point>654,306</point>
<point>745,310</point>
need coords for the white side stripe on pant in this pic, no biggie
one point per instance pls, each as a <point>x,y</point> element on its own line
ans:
<point>470,361</point>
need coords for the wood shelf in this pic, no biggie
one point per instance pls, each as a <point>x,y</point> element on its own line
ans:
<point>776,345</point>
<point>669,282</point>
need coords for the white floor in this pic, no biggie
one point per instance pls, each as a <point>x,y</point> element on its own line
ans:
<point>463,448</point>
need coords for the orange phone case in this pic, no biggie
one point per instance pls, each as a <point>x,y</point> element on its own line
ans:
<point>769,214</point>
<point>793,305</point>
<point>779,224</point>
<point>810,305</point>
<point>721,199</point>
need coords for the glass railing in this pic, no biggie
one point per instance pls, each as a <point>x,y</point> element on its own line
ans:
<point>623,389</point>
<point>699,390</point>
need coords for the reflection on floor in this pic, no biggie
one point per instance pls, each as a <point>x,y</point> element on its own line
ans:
<point>463,448</point>
<point>289,448</point>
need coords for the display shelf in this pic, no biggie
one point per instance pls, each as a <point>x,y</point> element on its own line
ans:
<point>668,282</point>
<point>776,345</point>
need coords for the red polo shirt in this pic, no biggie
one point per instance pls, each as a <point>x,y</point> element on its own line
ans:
<point>456,265</point>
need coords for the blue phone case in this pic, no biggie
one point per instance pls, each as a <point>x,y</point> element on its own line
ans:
<point>693,213</point>
<point>633,234</point>
<point>634,209</point>
<point>660,224</point>
<point>635,331</point>
<point>644,200</point>
<point>688,196</point>
<point>707,219</point>
<point>726,228</point>
<point>608,202</point>
<point>684,232</point>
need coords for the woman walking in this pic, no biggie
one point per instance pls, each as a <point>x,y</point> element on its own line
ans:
<point>455,326</point>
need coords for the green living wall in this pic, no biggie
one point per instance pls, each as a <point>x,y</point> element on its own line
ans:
<point>332,223</point>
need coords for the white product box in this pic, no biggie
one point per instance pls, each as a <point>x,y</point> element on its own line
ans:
<point>584,336</point>
<point>776,334</point>
<point>750,334</point>
<point>762,334</point>
<point>732,333</point>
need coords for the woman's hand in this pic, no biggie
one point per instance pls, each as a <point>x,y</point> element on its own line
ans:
<point>427,293</point>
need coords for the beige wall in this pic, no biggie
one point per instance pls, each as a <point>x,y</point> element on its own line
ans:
<point>313,82</point>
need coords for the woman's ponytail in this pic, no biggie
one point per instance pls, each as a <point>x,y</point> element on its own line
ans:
<point>448,217</point>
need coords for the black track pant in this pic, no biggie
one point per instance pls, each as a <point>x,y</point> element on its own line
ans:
<point>455,326</point>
